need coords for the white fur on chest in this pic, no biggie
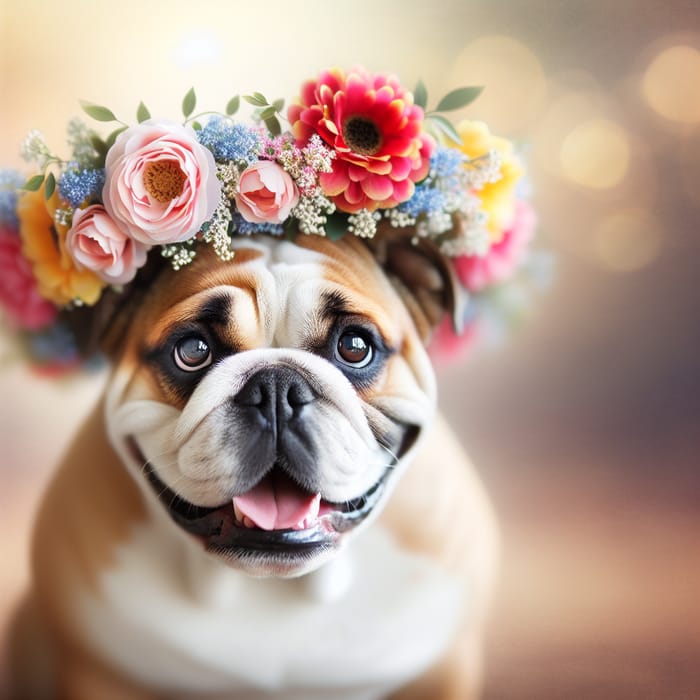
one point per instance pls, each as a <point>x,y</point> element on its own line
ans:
<point>272,638</point>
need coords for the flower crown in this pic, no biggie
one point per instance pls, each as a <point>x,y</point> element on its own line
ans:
<point>360,150</point>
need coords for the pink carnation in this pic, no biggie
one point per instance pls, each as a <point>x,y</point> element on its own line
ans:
<point>98,244</point>
<point>503,257</point>
<point>266,193</point>
<point>19,296</point>
<point>161,183</point>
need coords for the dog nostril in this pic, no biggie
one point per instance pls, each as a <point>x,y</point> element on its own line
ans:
<point>299,394</point>
<point>252,394</point>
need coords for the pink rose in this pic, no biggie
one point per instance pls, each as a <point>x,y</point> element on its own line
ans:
<point>160,184</point>
<point>98,244</point>
<point>266,193</point>
<point>503,257</point>
<point>19,296</point>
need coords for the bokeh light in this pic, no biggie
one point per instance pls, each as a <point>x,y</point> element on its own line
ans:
<point>595,154</point>
<point>671,84</point>
<point>627,240</point>
<point>504,62</point>
<point>564,111</point>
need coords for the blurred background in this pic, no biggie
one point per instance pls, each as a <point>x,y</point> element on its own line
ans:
<point>584,421</point>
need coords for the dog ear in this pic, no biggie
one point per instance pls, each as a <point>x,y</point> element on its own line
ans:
<point>103,327</point>
<point>424,277</point>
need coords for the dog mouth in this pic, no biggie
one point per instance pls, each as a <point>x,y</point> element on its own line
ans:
<point>276,519</point>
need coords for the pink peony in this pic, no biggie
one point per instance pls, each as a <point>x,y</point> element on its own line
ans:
<point>503,257</point>
<point>19,296</point>
<point>376,132</point>
<point>161,184</point>
<point>266,193</point>
<point>98,244</point>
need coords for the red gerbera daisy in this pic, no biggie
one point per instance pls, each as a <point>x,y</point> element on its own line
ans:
<point>376,132</point>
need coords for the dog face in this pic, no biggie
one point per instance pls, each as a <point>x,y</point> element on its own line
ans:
<point>269,404</point>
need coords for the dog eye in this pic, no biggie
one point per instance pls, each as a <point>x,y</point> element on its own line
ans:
<point>192,353</point>
<point>354,349</point>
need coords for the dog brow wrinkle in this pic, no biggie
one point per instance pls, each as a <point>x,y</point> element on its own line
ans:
<point>217,309</point>
<point>334,304</point>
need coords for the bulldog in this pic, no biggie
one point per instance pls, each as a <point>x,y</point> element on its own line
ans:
<point>265,505</point>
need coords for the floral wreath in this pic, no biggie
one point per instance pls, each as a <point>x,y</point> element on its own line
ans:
<point>360,149</point>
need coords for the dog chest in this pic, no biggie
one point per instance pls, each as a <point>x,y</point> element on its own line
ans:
<point>268,638</point>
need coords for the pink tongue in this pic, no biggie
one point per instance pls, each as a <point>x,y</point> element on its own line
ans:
<point>276,503</point>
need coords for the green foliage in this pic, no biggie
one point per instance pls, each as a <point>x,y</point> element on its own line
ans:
<point>142,113</point>
<point>189,102</point>
<point>257,99</point>
<point>420,94</point>
<point>445,126</point>
<point>273,125</point>
<point>50,187</point>
<point>336,226</point>
<point>233,104</point>
<point>113,137</point>
<point>34,183</point>
<point>98,112</point>
<point>456,99</point>
<point>268,112</point>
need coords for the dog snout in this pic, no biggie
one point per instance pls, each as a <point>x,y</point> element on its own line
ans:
<point>276,395</point>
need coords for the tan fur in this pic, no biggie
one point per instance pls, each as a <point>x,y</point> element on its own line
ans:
<point>448,519</point>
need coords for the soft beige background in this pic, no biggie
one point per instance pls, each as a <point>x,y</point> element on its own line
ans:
<point>585,424</point>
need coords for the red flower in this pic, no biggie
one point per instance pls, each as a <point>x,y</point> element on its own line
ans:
<point>376,132</point>
<point>19,296</point>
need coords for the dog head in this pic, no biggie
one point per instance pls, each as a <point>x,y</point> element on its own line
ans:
<point>269,404</point>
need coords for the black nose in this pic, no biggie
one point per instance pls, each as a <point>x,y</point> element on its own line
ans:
<point>277,395</point>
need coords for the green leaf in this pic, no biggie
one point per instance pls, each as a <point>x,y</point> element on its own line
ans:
<point>196,126</point>
<point>291,228</point>
<point>336,226</point>
<point>142,113</point>
<point>98,144</point>
<point>445,125</point>
<point>420,94</point>
<point>268,112</point>
<point>98,112</point>
<point>189,102</point>
<point>50,186</point>
<point>256,99</point>
<point>273,126</point>
<point>233,104</point>
<point>34,183</point>
<point>278,104</point>
<point>113,137</point>
<point>458,98</point>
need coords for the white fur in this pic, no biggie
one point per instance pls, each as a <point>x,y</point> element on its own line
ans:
<point>266,637</point>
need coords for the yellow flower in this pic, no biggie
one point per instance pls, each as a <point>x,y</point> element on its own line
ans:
<point>498,198</point>
<point>44,246</point>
